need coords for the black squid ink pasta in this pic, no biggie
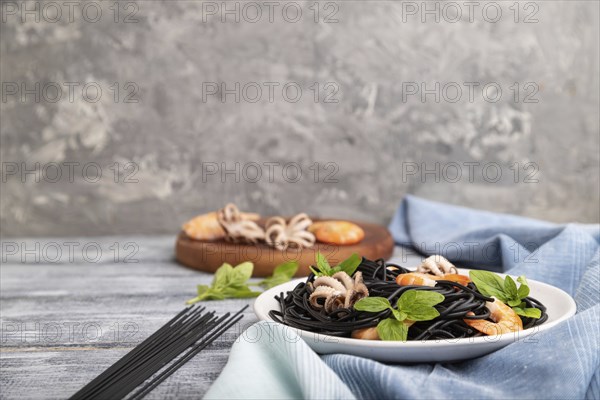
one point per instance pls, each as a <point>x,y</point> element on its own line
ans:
<point>460,302</point>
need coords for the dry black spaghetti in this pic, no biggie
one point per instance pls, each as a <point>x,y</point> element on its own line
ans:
<point>379,277</point>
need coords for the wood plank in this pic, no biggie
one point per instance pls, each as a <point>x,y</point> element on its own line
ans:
<point>64,322</point>
<point>59,374</point>
<point>50,313</point>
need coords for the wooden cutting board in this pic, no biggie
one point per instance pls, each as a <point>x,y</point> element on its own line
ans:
<point>209,255</point>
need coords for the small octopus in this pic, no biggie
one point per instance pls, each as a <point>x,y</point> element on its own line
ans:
<point>237,228</point>
<point>282,235</point>
<point>437,265</point>
<point>338,291</point>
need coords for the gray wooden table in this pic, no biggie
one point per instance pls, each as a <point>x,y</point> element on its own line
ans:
<point>71,307</point>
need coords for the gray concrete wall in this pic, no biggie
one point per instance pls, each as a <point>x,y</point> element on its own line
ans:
<point>165,139</point>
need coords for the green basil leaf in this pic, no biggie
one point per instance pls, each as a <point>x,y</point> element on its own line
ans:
<point>228,282</point>
<point>399,315</point>
<point>510,287</point>
<point>203,293</point>
<point>489,284</point>
<point>281,274</point>
<point>350,264</point>
<point>222,276</point>
<point>406,299</point>
<point>424,313</point>
<point>323,265</point>
<point>391,329</point>
<point>417,305</point>
<point>206,293</point>
<point>286,269</point>
<point>314,271</point>
<point>202,289</point>
<point>522,280</point>
<point>523,291</point>
<point>372,304</point>
<point>212,294</point>
<point>241,273</point>
<point>524,288</point>
<point>273,281</point>
<point>418,298</point>
<point>242,292</point>
<point>528,312</point>
<point>514,302</point>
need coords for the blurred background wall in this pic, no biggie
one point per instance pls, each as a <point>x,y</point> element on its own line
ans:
<point>132,117</point>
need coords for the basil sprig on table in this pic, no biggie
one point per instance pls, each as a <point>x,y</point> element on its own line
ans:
<point>413,305</point>
<point>232,282</point>
<point>281,274</point>
<point>491,284</point>
<point>349,265</point>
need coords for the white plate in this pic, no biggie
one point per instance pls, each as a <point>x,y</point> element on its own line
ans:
<point>560,306</point>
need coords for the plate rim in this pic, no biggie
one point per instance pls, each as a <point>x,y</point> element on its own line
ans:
<point>337,340</point>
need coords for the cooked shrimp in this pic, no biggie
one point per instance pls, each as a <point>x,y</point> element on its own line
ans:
<point>458,278</point>
<point>204,227</point>
<point>504,317</point>
<point>207,226</point>
<point>415,278</point>
<point>366,334</point>
<point>337,232</point>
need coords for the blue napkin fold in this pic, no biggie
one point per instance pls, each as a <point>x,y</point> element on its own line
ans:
<point>563,362</point>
